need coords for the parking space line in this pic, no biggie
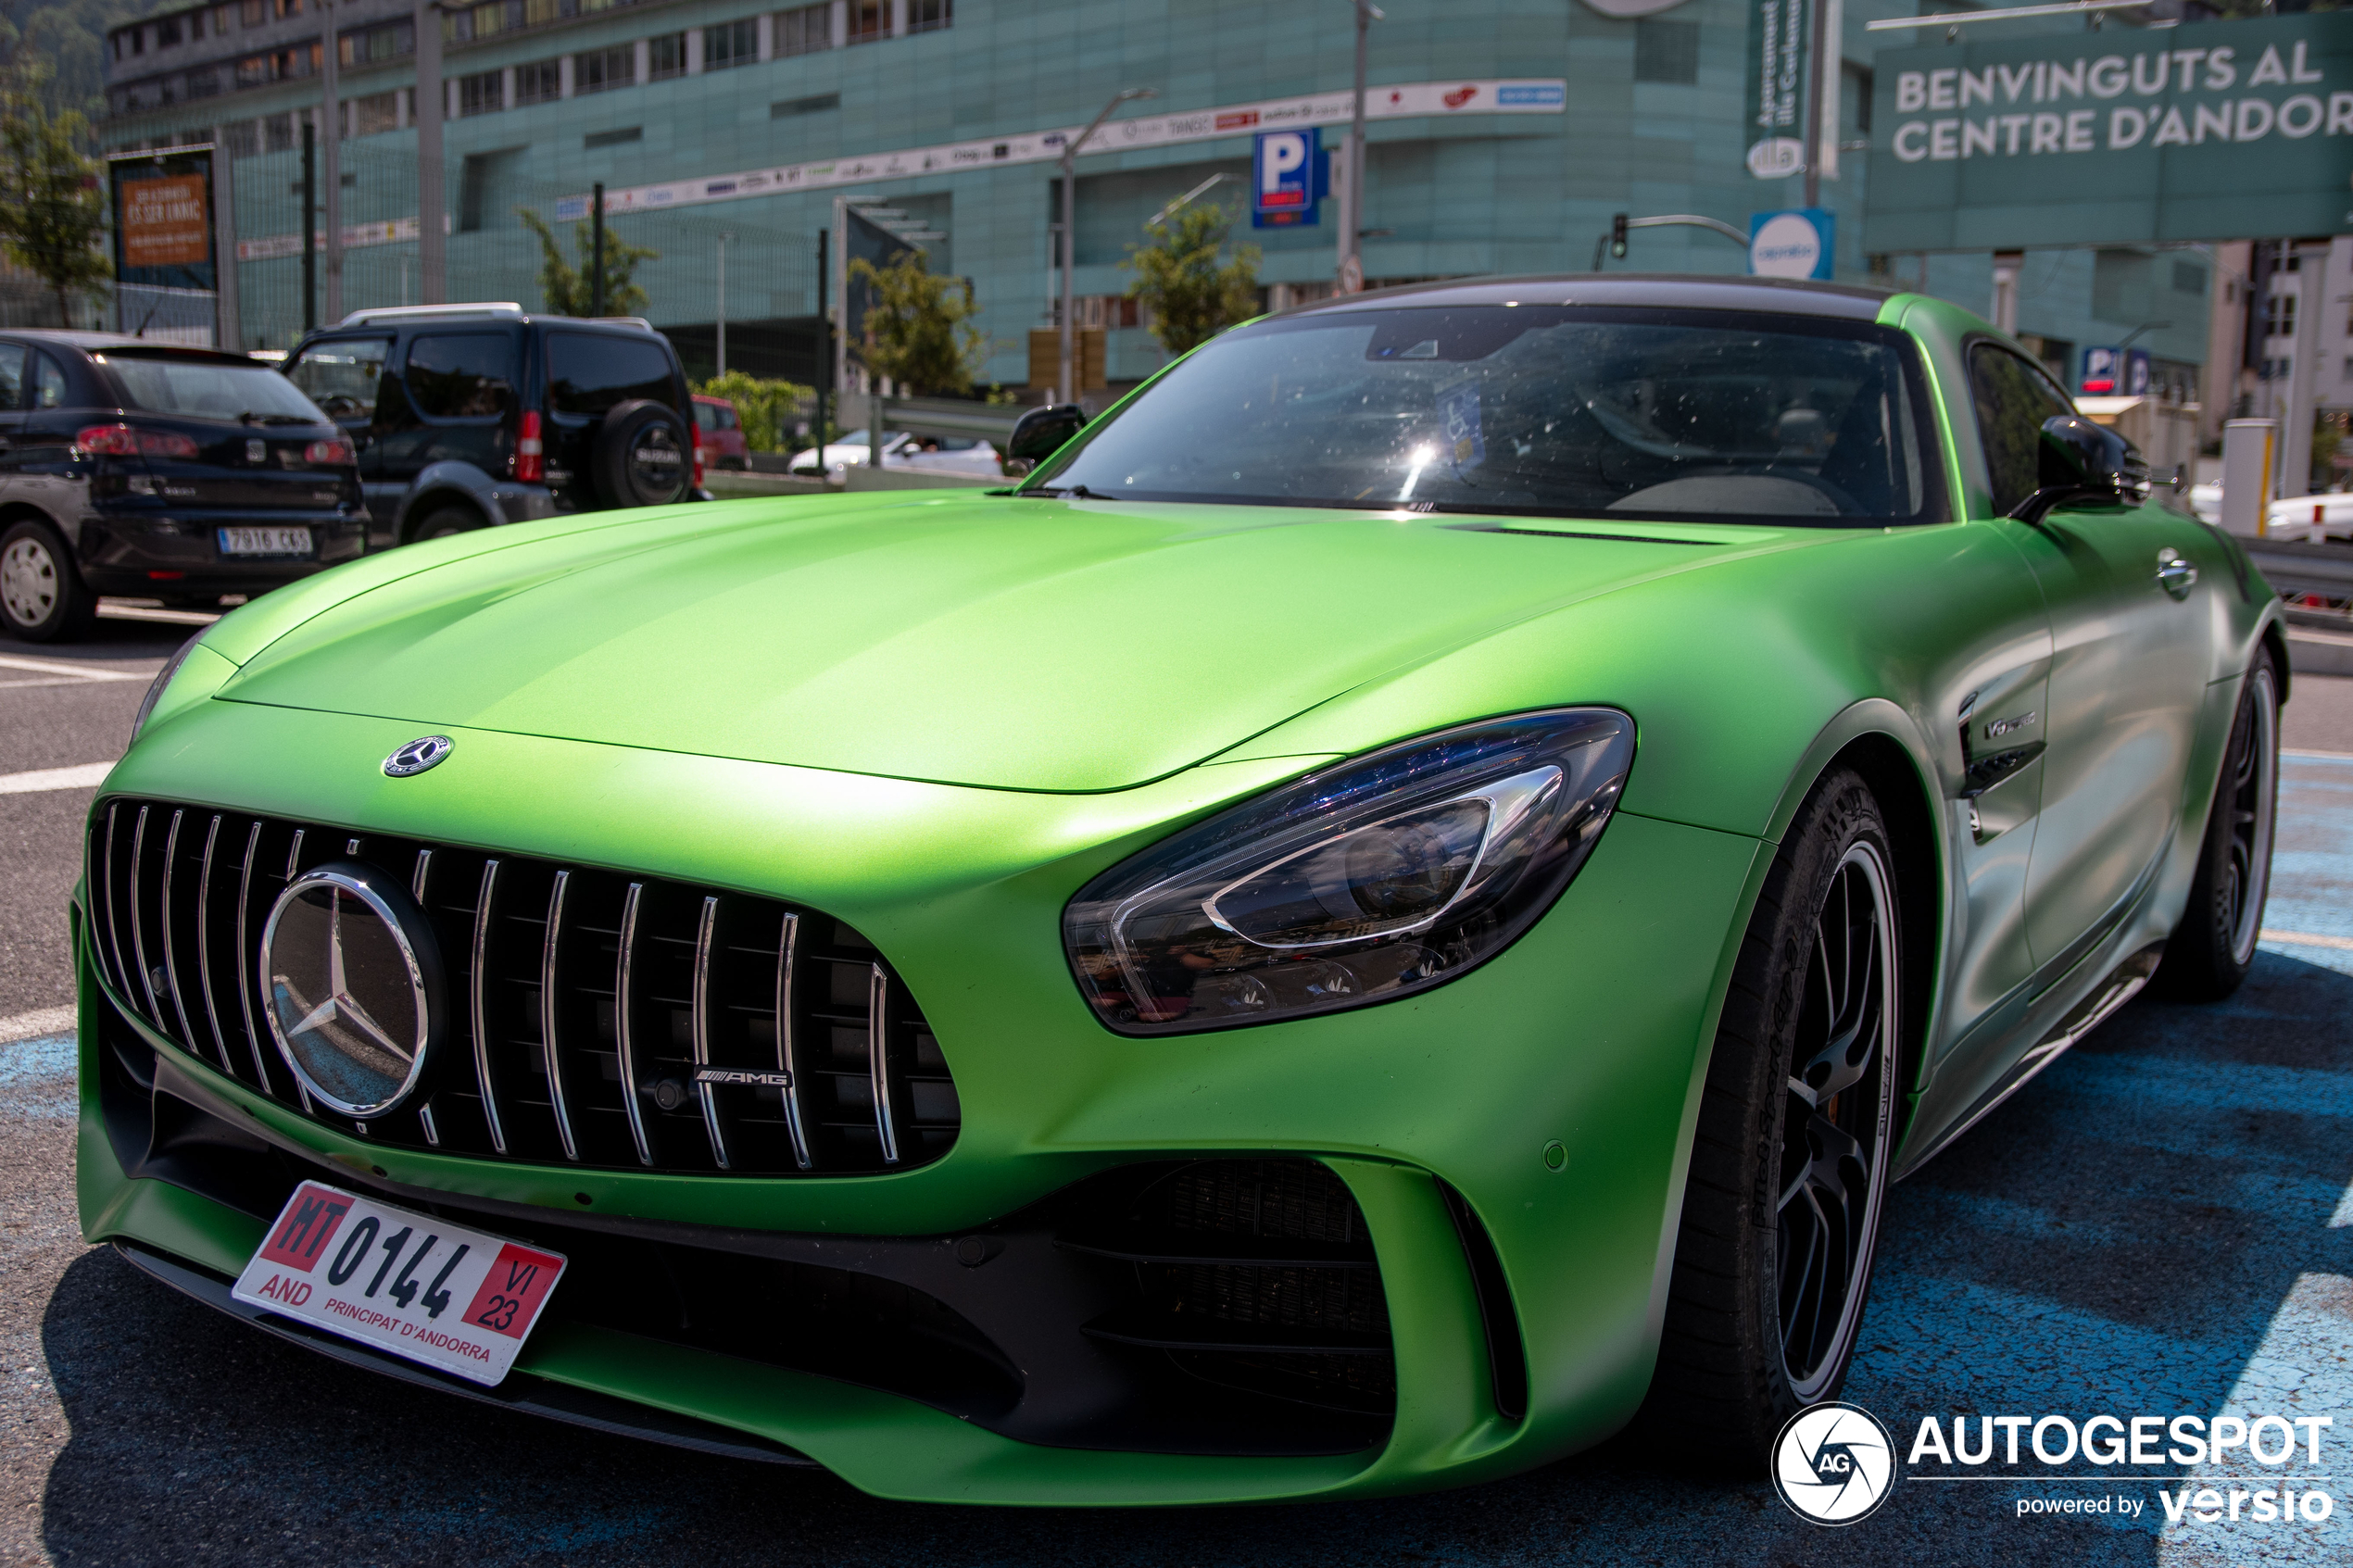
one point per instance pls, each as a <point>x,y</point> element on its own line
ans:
<point>2307,939</point>
<point>87,775</point>
<point>32,1026</point>
<point>80,672</point>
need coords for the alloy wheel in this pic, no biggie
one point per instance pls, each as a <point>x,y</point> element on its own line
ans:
<point>28,582</point>
<point>1837,1120</point>
<point>2253,792</point>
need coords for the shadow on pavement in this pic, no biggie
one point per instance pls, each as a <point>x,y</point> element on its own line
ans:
<point>2119,1237</point>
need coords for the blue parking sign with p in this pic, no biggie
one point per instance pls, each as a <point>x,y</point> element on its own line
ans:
<point>1288,173</point>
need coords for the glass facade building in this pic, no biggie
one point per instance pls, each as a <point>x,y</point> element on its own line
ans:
<point>1505,135</point>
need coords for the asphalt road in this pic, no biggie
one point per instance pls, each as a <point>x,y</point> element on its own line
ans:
<point>2161,1223</point>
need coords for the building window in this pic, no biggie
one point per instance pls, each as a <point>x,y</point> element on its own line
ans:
<point>367,45</point>
<point>253,13</point>
<point>601,70</point>
<point>804,30</point>
<point>665,56</point>
<point>138,40</point>
<point>2279,316</point>
<point>278,134</point>
<point>539,13</point>
<point>541,82</point>
<point>929,16</point>
<point>595,139</point>
<point>2190,278</point>
<point>287,8</point>
<point>204,83</point>
<point>1667,51</point>
<point>244,139</point>
<point>220,21</point>
<point>375,114</point>
<point>869,20</point>
<point>731,44</point>
<point>167,32</point>
<point>483,92</point>
<point>815,104</point>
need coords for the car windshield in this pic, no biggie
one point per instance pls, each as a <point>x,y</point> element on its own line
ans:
<point>211,389</point>
<point>1547,411</point>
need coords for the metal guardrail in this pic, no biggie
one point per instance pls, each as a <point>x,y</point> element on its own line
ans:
<point>992,423</point>
<point>2326,570</point>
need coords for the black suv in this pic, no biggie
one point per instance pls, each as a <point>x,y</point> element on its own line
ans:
<point>467,416</point>
<point>139,467</point>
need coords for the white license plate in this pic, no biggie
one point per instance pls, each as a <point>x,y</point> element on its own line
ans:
<point>265,541</point>
<point>456,1299</point>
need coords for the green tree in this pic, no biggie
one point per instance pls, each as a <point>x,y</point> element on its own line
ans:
<point>1191,297</point>
<point>920,329</point>
<point>53,201</point>
<point>763,405</point>
<point>565,287</point>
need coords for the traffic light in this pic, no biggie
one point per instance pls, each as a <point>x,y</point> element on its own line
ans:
<point>1618,236</point>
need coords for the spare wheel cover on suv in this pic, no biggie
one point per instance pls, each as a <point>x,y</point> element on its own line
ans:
<point>642,456</point>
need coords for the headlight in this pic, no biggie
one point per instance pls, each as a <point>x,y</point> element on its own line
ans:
<point>163,678</point>
<point>1381,877</point>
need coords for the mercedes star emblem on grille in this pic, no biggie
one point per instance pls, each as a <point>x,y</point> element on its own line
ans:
<point>418,754</point>
<point>353,979</point>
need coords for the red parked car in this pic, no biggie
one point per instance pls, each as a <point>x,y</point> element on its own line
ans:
<point>720,433</point>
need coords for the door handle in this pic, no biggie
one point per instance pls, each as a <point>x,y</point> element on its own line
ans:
<point>2175,575</point>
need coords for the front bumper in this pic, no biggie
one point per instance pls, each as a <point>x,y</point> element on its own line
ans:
<point>131,553</point>
<point>1585,1033</point>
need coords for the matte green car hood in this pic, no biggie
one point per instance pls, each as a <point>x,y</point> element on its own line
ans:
<point>1022,644</point>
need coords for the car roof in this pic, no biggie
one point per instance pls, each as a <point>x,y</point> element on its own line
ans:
<point>1787,297</point>
<point>97,343</point>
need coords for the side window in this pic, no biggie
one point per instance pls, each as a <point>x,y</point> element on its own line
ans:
<point>342,377</point>
<point>2013,399</point>
<point>11,377</point>
<point>48,383</point>
<point>593,372</point>
<point>462,375</point>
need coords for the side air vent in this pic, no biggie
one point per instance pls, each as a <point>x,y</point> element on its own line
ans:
<point>1257,1274</point>
<point>595,1018</point>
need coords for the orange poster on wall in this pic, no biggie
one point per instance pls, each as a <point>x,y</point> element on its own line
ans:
<point>164,222</point>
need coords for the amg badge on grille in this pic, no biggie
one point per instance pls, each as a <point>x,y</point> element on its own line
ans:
<point>740,1075</point>
<point>418,754</point>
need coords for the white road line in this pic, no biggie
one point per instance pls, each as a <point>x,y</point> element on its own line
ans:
<point>32,1026</point>
<point>89,775</point>
<point>151,612</point>
<point>2307,939</point>
<point>40,681</point>
<point>2310,755</point>
<point>82,672</point>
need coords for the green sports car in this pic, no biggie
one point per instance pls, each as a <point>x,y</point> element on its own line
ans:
<point>1389,912</point>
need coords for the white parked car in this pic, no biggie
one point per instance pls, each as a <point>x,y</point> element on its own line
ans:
<point>951,454</point>
<point>2291,518</point>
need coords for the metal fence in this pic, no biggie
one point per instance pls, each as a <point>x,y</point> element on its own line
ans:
<point>770,289</point>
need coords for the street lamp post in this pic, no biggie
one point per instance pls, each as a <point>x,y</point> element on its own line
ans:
<point>1352,202</point>
<point>1069,389</point>
<point>722,311</point>
<point>331,127</point>
<point>432,278</point>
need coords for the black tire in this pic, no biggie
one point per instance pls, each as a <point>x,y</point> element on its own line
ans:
<point>2213,949</point>
<point>642,456</point>
<point>444,521</point>
<point>1796,1133</point>
<point>43,598</point>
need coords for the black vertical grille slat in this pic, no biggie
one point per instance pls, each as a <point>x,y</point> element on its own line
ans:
<point>579,1004</point>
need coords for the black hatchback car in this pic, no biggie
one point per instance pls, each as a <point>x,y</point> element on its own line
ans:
<point>470,416</point>
<point>149,469</point>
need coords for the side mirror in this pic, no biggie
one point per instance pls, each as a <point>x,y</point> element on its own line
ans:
<point>2083,463</point>
<point>1041,433</point>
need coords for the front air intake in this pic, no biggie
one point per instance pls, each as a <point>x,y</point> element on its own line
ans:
<point>587,1011</point>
